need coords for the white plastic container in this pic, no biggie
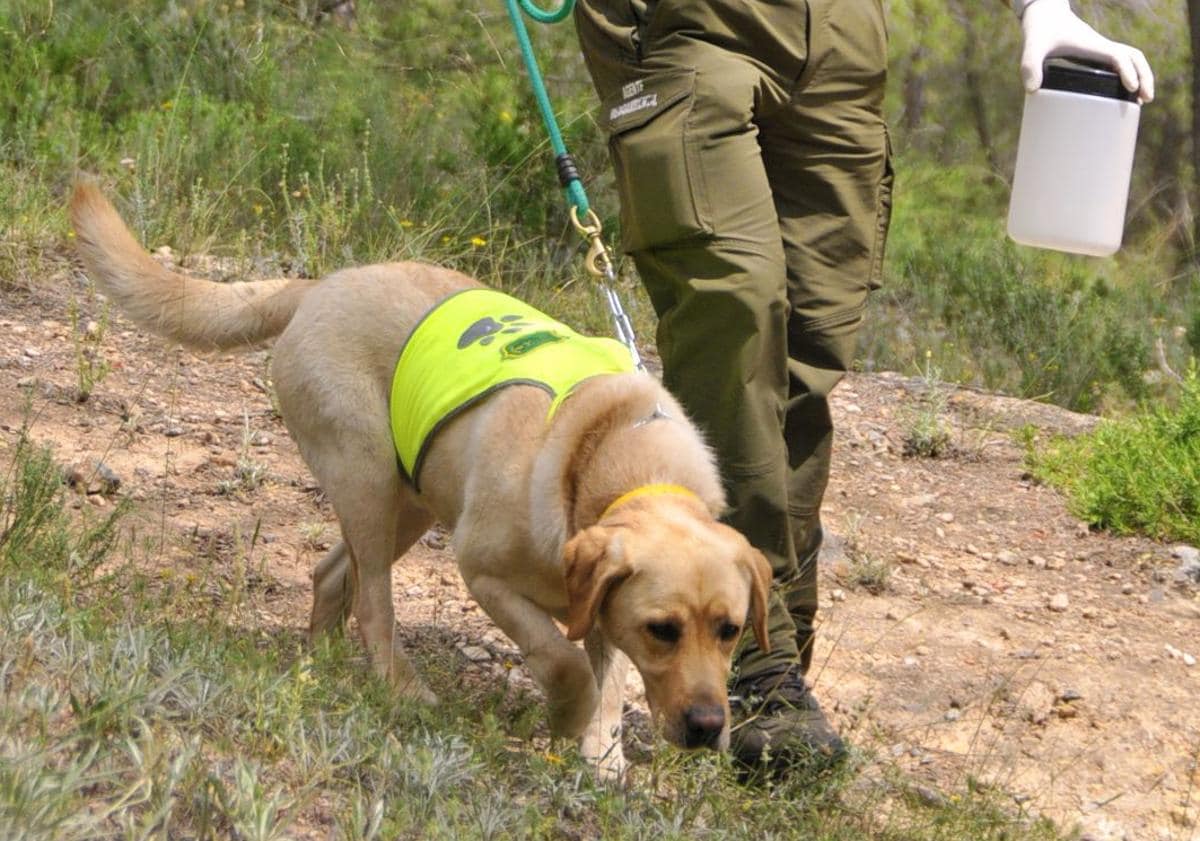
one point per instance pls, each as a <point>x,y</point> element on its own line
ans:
<point>1074,159</point>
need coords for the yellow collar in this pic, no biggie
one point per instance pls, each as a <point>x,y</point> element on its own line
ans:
<point>647,490</point>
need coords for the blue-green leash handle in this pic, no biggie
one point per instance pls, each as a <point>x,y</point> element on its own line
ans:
<point>543,16</point>
<point>598,261</point>
<point>568,175</point>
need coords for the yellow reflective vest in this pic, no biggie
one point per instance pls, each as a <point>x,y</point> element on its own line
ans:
<point>475,342</point>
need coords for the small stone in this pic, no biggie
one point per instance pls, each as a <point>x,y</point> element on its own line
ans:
<point>952,715</point>
<point>1037,561</point>
<point>1188,571</point>
<point>1059,602</point>
<point>1036,702</point>
<point>930,798</point>
<point>1069,695</point>
<point>946,516</point>
<point>103,480</point>
<point>32,353</point>
<point>1126,589</point>
<point>475,653</point>
<point>1066,711</point>
<point>837,595</point>
<point>923,651</point>
<point>1188,659</point>
<point>1007,558</point>
<point>173,431</point>
<point>434,539</point>
<point>27,382</point>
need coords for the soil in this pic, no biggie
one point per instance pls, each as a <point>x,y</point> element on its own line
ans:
<point>971,629</point>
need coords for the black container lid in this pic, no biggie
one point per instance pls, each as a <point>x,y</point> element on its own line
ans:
<point>1079,76</point>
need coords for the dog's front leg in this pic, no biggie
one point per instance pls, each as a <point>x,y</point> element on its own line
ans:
<point>601,741</point>
<point>560,667</point>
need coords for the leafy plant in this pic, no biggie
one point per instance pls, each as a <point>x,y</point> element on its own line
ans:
<point>1139,474</point>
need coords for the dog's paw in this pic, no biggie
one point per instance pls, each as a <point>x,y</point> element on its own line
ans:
<point>602,750</point>
<point>408,684</point>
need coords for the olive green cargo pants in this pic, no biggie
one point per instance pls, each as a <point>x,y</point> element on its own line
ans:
<point>753,167</point>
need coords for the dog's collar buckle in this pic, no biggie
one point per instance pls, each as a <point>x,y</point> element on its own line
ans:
<point>658,414</point>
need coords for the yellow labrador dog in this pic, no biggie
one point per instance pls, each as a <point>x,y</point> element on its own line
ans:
<point>601,518</point>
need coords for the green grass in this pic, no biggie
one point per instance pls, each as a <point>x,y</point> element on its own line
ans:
<point>148,706</point>
<point>138,706</point>
<point>1140,474</point>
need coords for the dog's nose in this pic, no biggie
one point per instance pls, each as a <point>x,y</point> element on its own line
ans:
<point>704,723</point>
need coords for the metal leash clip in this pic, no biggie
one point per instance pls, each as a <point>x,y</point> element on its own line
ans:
<point>600,265</point>
<point>598,261</point>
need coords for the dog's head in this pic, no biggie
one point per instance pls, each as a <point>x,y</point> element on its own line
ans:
<point>673,589</point>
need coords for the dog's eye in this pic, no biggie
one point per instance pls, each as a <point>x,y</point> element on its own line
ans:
<point>728,631</point>
<point>664,631</point>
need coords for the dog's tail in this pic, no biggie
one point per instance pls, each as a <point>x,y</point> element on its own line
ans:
<point>194,312</point>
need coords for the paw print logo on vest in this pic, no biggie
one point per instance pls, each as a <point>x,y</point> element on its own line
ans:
<point>486,329</point>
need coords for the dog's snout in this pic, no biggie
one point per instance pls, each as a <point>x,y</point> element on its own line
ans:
<point>704,724</point>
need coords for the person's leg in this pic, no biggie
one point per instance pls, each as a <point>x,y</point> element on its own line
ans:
<point>682,92</point>
<point>827,157</point>
<point>697,215</point>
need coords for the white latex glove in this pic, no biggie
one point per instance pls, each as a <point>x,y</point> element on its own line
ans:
<point>1052,29</point>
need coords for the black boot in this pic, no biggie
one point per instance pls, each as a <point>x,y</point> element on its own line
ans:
<point>779,727</point>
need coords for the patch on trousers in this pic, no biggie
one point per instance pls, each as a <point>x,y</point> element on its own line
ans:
<point>632,106</point>
<point>638,102</point>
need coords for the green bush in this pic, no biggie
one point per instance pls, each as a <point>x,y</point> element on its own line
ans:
<point>1141,474</point>
<point>1075,331</point>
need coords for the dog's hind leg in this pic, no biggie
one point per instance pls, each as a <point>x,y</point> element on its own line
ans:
<point>380,518</point>
<point>332,592</point>
<point>333,587</point>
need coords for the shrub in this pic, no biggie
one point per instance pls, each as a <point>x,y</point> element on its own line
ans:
<point>1140,474</point>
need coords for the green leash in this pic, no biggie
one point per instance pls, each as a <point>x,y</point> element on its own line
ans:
<point>568,175</point>
<point>598,261</point>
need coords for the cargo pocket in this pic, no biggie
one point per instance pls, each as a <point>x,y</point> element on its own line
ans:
<point>661,200</point>
<point>883,214</point>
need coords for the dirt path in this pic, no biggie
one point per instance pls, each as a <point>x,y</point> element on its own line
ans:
<point>1009,645</point>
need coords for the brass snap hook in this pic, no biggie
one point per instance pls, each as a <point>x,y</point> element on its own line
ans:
<point>598,260</point>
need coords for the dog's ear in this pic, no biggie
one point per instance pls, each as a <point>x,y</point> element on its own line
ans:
<point>593,561</point>
<point>760,588</point>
